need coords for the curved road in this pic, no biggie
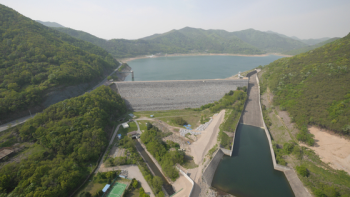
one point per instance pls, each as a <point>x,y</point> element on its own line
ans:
<point>24,119</point>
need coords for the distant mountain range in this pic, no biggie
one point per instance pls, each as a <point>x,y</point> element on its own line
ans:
<point>195,40</point>
<point>50,24</point>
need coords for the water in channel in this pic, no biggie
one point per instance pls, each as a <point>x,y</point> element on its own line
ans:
<point>168,188</point>
<point>249,172</point>
<point>194,67</point>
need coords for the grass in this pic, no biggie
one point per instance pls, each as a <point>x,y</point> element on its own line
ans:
<point>190,116</point>
<point>189,162</point>
<point>142,124</point>
<point>92,186</point>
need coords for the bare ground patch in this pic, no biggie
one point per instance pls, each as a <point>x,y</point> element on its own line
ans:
<point>332,149</point>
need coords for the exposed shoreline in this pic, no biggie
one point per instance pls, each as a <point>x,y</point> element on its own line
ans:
<point>201,54</point>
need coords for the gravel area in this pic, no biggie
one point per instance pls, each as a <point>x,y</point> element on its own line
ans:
<point>166,95</point>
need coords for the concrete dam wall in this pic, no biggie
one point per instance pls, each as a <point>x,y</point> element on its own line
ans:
<point>177,94</point>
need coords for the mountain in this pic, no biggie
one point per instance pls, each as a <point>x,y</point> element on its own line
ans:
<point>186,40</point>
<point>314,86</point>
<point>314,41</point>
<point>193,40</point>
<point>36,60</point>
<point>271,43</point>
<point>49,24</point>
<point>306,41</point>
<point>309,48</point>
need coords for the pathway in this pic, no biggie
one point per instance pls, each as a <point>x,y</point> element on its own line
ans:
<point>251,114</point>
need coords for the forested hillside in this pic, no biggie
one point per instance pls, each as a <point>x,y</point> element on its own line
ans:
<point>192,40</point>
<point>268,42</point>
<point>314,87</point>
<point>49,24</point>
<point>69,136</point>
<point>309,48</point>
<point>34,58</point>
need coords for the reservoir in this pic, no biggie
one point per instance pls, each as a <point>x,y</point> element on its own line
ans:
<point>194,67</point>
<point>249,172</point>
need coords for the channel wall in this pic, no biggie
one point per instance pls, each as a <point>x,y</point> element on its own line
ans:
<point>188,178</point>
<point>209,171</point>
<point>297,186</point>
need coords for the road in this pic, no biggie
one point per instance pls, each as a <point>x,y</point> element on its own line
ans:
<point>4,127</point>
<point>110,142</point>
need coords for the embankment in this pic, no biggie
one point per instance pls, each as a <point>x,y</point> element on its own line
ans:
<point>175,94</point>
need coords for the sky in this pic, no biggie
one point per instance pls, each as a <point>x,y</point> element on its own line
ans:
<point>133,19</point>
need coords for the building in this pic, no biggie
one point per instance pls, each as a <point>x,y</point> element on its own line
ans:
<point>125,125</point>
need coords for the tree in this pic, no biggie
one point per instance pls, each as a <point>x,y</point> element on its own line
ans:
<point>157,183</point>
<point>135,183</point>
<point>302,170</point>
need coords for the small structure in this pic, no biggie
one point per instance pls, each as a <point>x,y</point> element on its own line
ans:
<point>125,125</point>
<point>134,134</point>
<point>119,136</point>
<point>131,115</point>
<point>106,187</point>
<point>5,152</point>
<point>152,116</point>
<point>239,75</point>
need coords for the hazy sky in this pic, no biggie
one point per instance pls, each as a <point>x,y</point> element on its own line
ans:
<point>132,19</point>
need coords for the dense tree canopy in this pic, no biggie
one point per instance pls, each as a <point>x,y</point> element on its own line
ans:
<point>71,135</point>
<point>34,58</point>
<point>160,150</point>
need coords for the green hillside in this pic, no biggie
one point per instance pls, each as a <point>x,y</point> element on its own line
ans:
<point>309,48</point>
<point>186,40</point>
<point>34,58</point>
<point>49,24</point>
<point>314,87</point>
<point>271,43</point>
<point>63,144</point>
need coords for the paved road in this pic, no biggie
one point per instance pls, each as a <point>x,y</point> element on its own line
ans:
<point>24,119</point>
<point>14,123</point>
<point>110,142</point>
<point>251,114</point>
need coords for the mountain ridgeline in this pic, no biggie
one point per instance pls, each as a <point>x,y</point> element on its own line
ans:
<point>314,87</point>
<point>193,40</point>
<point>34,59</point>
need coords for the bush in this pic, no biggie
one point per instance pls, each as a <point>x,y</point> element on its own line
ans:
<point>180,121</point>
<point>302,170</point>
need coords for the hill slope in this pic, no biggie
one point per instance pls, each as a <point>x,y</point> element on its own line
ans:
<point>50,24</point>
<point>314,86</point>
<point>268,42</point>
<point>35,58</point>
<point>309,48</point>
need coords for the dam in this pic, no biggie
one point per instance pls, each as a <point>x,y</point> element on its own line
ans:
<point>175,94</point>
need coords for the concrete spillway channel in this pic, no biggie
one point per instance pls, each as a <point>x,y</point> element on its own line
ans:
<point>252,170</point>
<point>167,187</point>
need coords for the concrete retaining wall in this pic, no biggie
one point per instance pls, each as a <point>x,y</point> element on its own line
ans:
<point>297,186</point>
<point>209,171</point>
<point>176,94</point>
<point>275,165</point>
<point>227,151</point>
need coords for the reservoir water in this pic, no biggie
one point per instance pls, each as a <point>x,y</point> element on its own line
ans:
<point>194,67</point>
<point>249,172</point>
